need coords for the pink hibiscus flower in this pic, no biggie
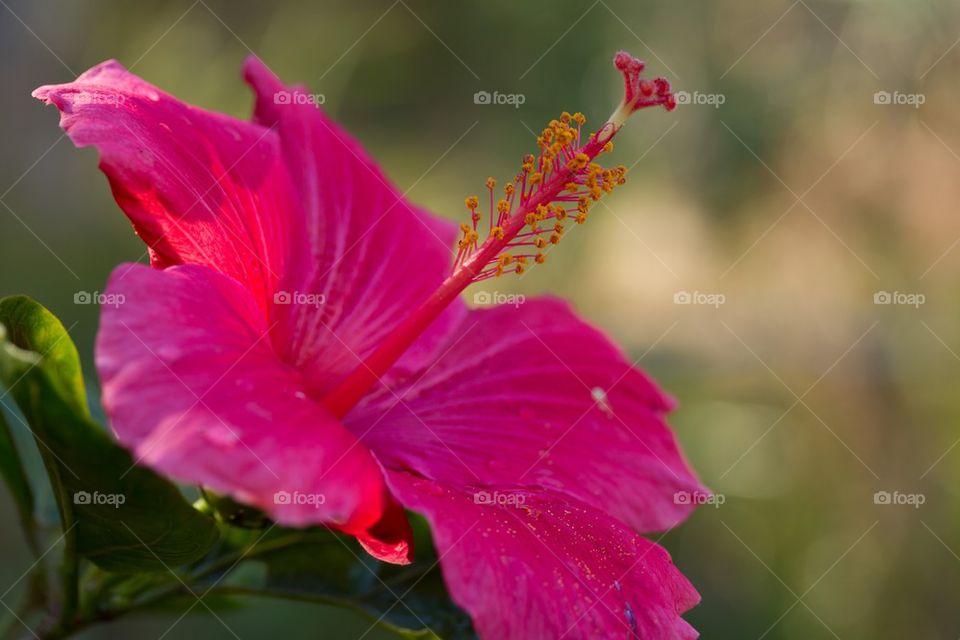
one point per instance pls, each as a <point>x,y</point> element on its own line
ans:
<point>300,345</point>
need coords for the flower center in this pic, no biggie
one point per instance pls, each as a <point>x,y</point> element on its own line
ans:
<point>553,188</point>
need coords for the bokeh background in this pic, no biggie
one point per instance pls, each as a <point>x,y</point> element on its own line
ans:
<point>795,203</point>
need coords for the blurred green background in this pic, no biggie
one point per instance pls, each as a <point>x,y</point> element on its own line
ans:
<point>799,200</point>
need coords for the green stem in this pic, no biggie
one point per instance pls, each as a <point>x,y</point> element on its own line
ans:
<point>69,567</point>
<point>311,598</point>
<point>70,619</point>
<point>226,562</point>
<point>11,622</point>
<point>14,475</point>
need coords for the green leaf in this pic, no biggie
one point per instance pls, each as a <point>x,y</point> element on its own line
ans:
<point>32,328</point>
<point>320,566</point>
<point>124,518</point>
<point>11,468</point>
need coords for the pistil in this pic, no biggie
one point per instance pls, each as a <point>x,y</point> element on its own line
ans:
<point>561,181</point>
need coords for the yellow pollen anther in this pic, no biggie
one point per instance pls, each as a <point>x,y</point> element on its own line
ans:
<point>562,178</point>
<point>578,162</point>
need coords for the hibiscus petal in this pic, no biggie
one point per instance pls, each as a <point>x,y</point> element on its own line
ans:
<point>193,387</point>
<point>364,247</point>
<point>531,395</point>
<point>529,564</point>
<point>291,207</point>
<point>199,187</point>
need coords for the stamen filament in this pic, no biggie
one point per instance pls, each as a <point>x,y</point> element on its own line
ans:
<point>569,165</point>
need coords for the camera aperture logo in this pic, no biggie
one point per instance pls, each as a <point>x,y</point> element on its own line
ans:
<point>299,297</point>
<point>298,97</point>
<point>497,297</point>
<point>897,498</point>
<point>899,298</point>
<point>499,498</point>
<point>102,299</point>
<point>699,498</point>
<point>314,500</point>
<point>99,499</point>
<point>898,98</point>
<point>513,99</point>
<point>699,298</point>
<point>700,99</point>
